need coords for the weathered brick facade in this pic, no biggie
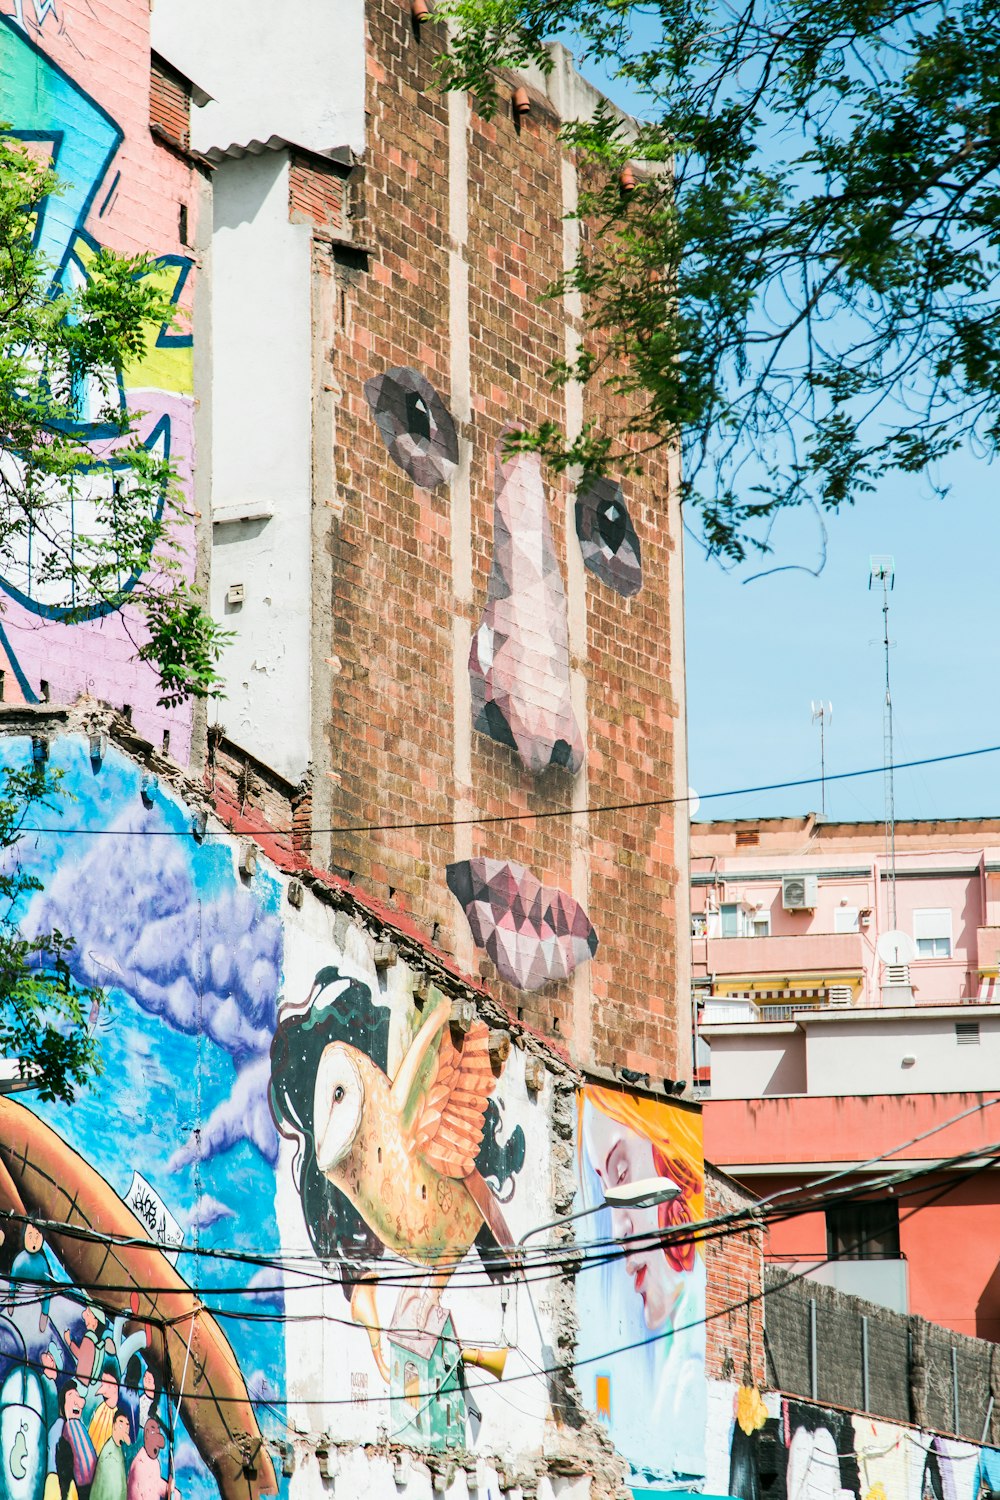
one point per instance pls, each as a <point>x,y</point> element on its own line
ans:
<point>467,220</point>
<point>734,1303</point>
<point>169,104</point>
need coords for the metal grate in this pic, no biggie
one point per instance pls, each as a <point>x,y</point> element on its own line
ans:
<point>967,1033</point>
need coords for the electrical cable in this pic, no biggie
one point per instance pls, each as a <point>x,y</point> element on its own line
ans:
<point>568,1258</point>
<point>567,1366</point>
<point>525,817</point>
<point>542,1259</point>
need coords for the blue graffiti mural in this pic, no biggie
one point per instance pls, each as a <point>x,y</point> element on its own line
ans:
<point>174,1143</point>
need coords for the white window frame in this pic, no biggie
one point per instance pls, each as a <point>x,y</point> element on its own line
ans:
<point>760,920</point>
<point>932,932</point>
<point>730,909</point>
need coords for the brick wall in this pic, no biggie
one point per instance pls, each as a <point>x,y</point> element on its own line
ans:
<point>169,104</point>
<point>734,1332</point>
<point>448,200</point>
<point>316,193</point>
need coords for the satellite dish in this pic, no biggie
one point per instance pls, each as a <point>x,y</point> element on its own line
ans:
<point>896,948</point>
<point>694,802</point>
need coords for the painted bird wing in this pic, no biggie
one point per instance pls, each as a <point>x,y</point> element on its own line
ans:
<point>441,1091</point>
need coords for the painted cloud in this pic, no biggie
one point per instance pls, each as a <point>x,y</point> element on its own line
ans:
<point>140,926</point>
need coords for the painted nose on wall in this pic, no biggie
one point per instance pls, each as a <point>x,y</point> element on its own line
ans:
<point>519,661</point>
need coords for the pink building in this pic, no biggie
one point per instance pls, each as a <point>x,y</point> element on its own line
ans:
<point>821,1048</point>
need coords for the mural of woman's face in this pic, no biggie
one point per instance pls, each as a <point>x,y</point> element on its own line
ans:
<point>619,1155</point>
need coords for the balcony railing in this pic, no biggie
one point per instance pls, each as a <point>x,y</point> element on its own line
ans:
<point>810,953</point>
<point>735,1011</point>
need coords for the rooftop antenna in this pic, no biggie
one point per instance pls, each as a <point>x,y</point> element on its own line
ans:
<point>883,570</point>
<point>822,713</point>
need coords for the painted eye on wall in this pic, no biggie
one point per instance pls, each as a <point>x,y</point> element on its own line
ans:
<point>607,537</point>
<point>416,425</point>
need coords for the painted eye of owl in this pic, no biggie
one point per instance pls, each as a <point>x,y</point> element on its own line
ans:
<point>416,425</point>
<point>338,1093</point>
<point>607,537</point>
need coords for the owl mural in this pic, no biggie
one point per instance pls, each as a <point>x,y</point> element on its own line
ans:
<point>409,1165</point>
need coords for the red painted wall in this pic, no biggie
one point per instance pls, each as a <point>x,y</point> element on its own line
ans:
<point>949,1230</point>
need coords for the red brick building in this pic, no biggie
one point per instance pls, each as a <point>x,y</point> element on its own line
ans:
<point>430,633</point>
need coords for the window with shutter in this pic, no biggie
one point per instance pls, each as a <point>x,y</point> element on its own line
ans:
<point>932,932</point>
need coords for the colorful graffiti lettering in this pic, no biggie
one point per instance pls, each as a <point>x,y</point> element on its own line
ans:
<point>651,1301</point>
<point>46,105</point>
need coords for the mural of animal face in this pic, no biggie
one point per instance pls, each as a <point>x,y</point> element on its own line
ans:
<point>339,1102</point>
<point>399,1158</point>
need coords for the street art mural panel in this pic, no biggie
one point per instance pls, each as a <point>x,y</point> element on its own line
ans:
<point>135,1353</point>
<point>648,1302</point>
<point>606,535</point>
<point>519,660</point>
<point>533,933</point>
<point>415,424</point>
<point>61,89</point>
<point>408,1153</point>
<point>770,1445</point>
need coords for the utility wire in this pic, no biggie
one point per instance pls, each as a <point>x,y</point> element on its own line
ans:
<point>521,817</point>
<point>311,1275</point>
<point>567,1366</point>
<point>550,1263</point>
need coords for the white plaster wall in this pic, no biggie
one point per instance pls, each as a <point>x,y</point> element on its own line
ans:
<point>865,1056</point>
<point>294,70</point>
<point>262,459</point>
<point>323,1356</point>
<point>753,1064</point>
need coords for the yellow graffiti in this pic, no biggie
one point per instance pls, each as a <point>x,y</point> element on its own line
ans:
<point>163,367</point>
<point>751,1413</point>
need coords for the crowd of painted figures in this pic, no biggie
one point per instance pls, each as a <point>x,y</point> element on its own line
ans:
<point>82,1416</point>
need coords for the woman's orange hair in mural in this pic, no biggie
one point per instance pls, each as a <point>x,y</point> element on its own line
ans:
<point>678,1153</point>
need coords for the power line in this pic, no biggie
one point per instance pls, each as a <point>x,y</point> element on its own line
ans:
<point>567,1366</point>
<point>523,817</point>
<point>545,1263</point>
<point>310,1275</point>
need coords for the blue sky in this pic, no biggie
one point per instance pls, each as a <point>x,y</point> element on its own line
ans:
<point>759,652</point>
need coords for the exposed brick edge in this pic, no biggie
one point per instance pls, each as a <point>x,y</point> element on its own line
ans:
<point>278,848</point>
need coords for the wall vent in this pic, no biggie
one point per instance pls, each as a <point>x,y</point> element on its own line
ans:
<point>967,1033</point>
<point>839,995</point>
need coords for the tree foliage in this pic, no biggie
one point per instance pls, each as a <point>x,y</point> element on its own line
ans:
<point>47,1020</point>
<point>89,516</point>
<point>802,291</point>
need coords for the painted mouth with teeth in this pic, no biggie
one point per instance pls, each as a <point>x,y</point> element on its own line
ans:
<point>532,932</point>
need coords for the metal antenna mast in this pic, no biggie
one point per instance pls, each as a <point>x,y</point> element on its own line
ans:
<point>883,570</point>
<point>823,713</point>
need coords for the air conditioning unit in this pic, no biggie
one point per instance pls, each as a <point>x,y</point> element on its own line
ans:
<point>798,892</point>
